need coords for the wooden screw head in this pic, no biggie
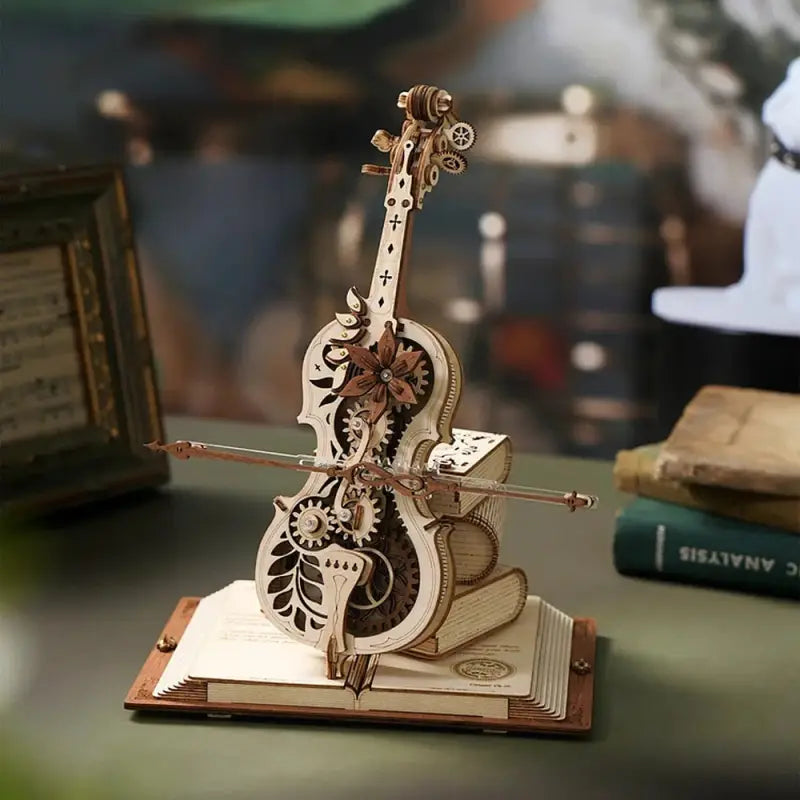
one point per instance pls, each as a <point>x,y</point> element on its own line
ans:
<point>166,644</point>
<point>581,667</point>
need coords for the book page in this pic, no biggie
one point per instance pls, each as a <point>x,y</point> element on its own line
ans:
<point>549,691</point>
<point>542,694</point>
<point>500,664</point>
<point>245,646</point>
<point>551,694</point>
<point>203,619</point>
<point>540,675</point>
<point>565,656</point>
<point>554,673</point>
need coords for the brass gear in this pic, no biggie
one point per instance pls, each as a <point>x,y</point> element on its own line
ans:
<point>363,514</point>
<point>310,524</point>
<point>452,162</point>
<point>356,423</point>
<point>461,135</point>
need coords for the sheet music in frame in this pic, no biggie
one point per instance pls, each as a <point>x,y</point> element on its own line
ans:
<point>42,388</point>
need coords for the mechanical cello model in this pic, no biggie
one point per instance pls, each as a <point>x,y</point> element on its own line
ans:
<point>359,561</point>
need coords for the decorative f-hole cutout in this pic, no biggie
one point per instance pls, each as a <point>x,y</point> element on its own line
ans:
<point>380,302</point>
<point>402,182</point>
<point>390,247</point>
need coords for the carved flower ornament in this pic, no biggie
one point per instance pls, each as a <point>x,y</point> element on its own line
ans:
<point>384,374</point>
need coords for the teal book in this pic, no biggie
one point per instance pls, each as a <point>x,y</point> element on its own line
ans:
<point>671,542</point>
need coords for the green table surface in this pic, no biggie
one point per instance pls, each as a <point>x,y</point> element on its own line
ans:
<point>696,689</point>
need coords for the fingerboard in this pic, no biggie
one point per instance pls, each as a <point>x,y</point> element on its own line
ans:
<point>387,276</point>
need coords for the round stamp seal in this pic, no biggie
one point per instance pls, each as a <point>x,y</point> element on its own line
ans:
<point>483,669</point>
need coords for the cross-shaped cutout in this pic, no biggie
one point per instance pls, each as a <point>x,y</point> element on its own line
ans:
<point>394,222</point>
<point>386,277</point>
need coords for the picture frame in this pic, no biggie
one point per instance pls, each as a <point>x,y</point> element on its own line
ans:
<point>78,390</point>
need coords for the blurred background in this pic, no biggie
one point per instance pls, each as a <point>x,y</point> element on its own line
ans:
<point>618,142</point>
<point>617,146</point>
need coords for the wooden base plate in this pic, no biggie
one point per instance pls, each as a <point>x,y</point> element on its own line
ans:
<point>522,717</point>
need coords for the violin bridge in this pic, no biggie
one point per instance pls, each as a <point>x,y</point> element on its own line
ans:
<point>341,570</point>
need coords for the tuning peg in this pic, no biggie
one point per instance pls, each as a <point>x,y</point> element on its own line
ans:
<point>383,141</point>
<point>374,169</point>
<point>426,103</point>
<point>444,102</point>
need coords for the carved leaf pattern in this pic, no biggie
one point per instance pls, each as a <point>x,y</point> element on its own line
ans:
<point>310,571</point>
<point>322,383</point>
<point>310,582</point>
<point>283,548</point>
<point>281,600</point>
<point>284,564</point>
<point>279,584</point>
<point>296,586</point>
<point>311,591</point>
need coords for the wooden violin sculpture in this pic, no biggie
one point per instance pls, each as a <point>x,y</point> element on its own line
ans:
<point>345,566</point>
<point>358,562</point>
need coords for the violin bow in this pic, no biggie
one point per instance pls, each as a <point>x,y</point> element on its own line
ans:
<point>370,473</point>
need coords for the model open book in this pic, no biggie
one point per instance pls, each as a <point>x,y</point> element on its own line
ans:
<point>532,674</point>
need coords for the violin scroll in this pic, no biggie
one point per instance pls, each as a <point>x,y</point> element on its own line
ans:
<point>438,135</point>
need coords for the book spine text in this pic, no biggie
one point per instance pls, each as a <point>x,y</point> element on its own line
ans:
<point>706,550</point>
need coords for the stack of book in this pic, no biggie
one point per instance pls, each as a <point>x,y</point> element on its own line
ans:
<point>718,502</point>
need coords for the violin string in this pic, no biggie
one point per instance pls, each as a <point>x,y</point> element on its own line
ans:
<point>296,457</point>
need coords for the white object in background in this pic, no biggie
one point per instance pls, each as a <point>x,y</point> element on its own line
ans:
<point>767,298</point>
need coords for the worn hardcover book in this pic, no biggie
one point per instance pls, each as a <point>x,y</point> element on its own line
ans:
<point>663,540</point>
<point>744,439</point>
<point>471,454</point>
<point>229,657</point>
<point>477,609</point>
<point>634,472</point>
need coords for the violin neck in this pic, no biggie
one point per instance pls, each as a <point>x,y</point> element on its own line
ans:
<point>387,299</point>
